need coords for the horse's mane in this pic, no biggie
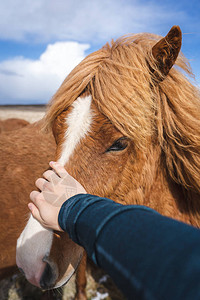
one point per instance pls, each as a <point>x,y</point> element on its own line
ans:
<point>119,78</point>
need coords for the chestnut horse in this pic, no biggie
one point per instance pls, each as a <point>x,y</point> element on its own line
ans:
<point>12,124</point>
<point>126,124</point>
<point>25,154</point>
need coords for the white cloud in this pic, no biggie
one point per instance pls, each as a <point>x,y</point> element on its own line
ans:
<point>85,21</point>
<point>28,81</point>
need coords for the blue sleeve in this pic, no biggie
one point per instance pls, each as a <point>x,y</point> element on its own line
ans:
<point>147,255</point>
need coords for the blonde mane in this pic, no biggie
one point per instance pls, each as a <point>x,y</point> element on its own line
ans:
<point>119,79</point>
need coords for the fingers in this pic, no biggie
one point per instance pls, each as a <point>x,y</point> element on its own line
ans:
<point>60,170</point>
<point>51,176</point>
<point>37,198</point>
<point>68,179</point>
<point>43,184</point>
<point>33,195</point>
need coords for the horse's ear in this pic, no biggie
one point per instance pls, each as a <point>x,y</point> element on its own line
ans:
<point>166,51</point>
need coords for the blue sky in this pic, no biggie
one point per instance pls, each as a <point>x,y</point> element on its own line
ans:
<point>42,40</point>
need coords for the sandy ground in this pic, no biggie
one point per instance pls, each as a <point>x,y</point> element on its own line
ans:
<point>28,113</point>
<point>99,285</point>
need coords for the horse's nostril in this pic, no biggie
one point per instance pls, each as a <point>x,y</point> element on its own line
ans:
<point>48,278</point>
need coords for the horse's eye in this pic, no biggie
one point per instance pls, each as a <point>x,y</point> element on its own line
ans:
<point>118,145</point>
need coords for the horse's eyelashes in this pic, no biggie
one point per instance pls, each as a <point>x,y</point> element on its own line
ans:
<point>118,145</point>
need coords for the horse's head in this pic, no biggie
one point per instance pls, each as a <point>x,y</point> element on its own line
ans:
<point>108,123</point>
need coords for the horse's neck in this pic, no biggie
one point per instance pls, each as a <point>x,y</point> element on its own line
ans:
<point>171,200</point>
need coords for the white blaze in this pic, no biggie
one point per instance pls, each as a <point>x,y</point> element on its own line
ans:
<point>78,121</point>
<point>35,241</point>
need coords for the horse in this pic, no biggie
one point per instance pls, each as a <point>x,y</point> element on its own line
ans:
<point>12,124</point>
<point>126,125</point>
<point>25,153</point>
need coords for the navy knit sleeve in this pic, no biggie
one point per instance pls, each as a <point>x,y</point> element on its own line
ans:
<point>147,255</point>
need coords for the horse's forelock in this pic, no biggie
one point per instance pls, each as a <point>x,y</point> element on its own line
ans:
<point>115,75</point>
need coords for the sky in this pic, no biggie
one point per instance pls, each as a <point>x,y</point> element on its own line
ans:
<point>41,41</point>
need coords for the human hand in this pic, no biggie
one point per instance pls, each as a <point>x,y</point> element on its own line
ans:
<point>55,190</point>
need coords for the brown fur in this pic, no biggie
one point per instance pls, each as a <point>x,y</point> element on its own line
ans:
<point>25,154</point>
<point>137,95</point>
<point>12,124</point>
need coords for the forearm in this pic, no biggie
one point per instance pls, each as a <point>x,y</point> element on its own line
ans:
<point>147,255</point>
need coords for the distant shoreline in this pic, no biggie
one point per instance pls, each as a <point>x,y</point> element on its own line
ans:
<point>22,105</point>
<point>32,107</point>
